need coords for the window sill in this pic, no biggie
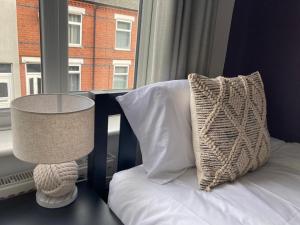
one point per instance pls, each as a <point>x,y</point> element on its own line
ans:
<point>123,49</point>
<point>75,46</point>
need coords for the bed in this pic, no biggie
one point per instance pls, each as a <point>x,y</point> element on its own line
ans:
<point>267,196</point>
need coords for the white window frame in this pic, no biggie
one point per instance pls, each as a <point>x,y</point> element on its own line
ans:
<point>121,63</point>
<point>34,76</point>
<point>125,19</point>
<point>6,78</point>
<point>78,12</point>
<point>75,72</point>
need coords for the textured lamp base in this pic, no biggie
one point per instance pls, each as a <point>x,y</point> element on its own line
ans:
<point>55,184</point>
<point>55,202</point>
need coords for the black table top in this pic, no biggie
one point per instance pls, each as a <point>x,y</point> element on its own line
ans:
<point>87,209</point>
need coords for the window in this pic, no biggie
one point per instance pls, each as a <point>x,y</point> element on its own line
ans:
<point>25,26</point>
<point>74,78</point>
<point>33,79</point>
<point>123,35</point>
<point>5,68</point>
<point>89,27</point>
<point>5,84</point>
<point>120,74</point>
<point>120,79</point>
<point>123,31</point>
<point>75,26</point>
<point>75,30</point>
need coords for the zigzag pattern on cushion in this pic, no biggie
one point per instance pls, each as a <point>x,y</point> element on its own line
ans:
<point>230,135</point>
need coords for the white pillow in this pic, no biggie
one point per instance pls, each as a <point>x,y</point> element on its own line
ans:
<point>159,115</point>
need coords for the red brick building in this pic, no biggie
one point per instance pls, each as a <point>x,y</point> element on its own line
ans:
<point>100,56</point>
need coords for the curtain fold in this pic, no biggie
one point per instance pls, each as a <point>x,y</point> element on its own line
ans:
<point>176,39</point>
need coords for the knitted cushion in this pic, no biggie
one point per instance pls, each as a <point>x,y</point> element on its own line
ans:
<point>230,135</point>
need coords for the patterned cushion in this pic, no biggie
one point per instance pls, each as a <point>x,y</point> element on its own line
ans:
<point>230,135</point>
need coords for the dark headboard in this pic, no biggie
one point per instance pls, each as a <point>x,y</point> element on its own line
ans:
<point>265,36</point>
<point>105,106</point>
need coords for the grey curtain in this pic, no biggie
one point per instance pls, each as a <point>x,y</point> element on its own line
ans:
<point>177,38</point>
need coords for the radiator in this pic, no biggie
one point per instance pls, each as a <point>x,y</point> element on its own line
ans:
<point>22,182</point>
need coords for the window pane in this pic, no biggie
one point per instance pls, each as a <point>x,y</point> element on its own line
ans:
<point>103,37</point>
<point>33,68</point>
<point>31,86</point>
<point>5,68</point>
<point>74,68</point>
<point>3,90</point>
<point>120,82</point>
<point>39,85</point>
<point>123,25</point>
<point>123,40</point>
<point>121,69</point>
<point>74,34</point>
<point>74,18</point>
<point>74,82</point>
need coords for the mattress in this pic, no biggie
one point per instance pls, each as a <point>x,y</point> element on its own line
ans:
<point>268,196</point>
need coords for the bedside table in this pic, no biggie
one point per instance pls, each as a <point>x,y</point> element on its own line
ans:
<point>87,209</point>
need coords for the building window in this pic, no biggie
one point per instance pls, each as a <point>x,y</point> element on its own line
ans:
<point>123,31</point>
<point>33,79</point>
<point>123,35</point>
<point>75,30</point>
<point>120,79</point>
<point>74,78</point>
<point>5,84</point>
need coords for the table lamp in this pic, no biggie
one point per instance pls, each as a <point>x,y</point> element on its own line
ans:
<point>53,130</point>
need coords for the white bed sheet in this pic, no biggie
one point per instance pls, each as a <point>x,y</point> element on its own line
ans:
<point>269,196</point>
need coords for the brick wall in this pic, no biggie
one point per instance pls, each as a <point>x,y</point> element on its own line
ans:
<point>29,42</point>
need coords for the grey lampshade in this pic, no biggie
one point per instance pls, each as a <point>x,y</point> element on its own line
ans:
<point>52,128</point>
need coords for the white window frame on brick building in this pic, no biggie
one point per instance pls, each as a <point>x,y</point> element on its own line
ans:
<point>76,11</point>
<point>78,62</point>
<point>6,78</point>
<point>35,77</point>
<point>123,19</point>
<point>72,73</point>
<point>124,64</point>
